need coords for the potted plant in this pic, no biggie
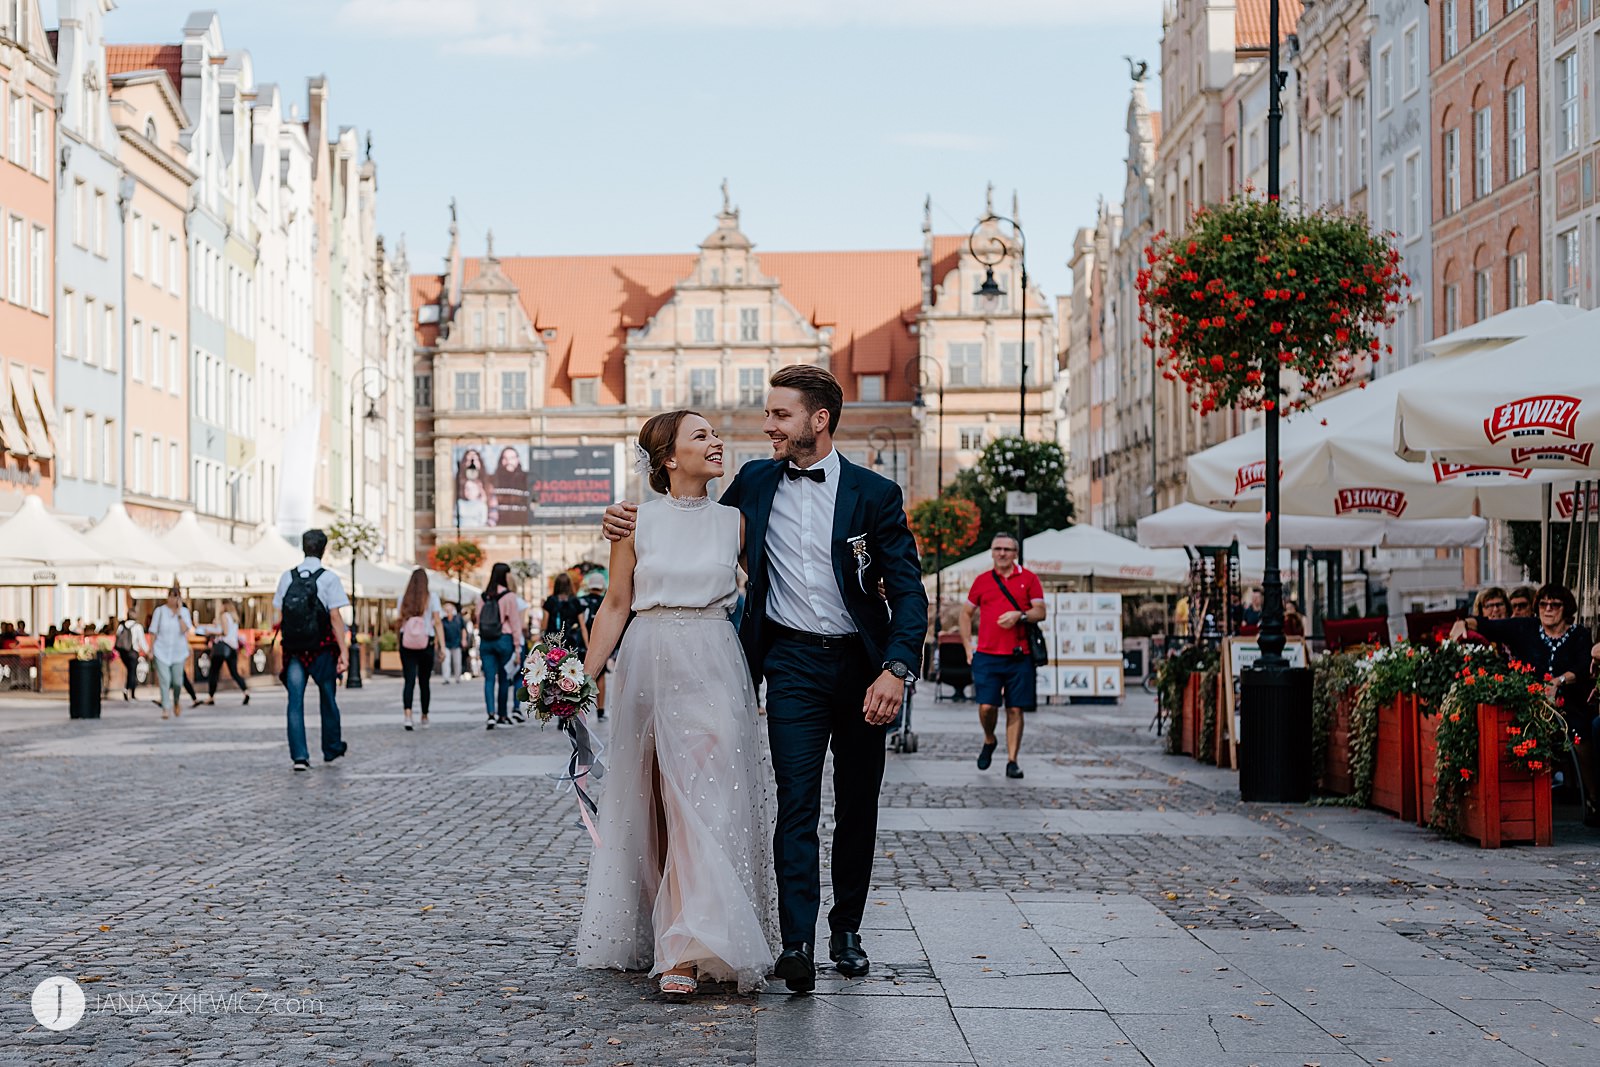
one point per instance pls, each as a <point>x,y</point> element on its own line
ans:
<point>388,652</point>
<point>1179,679</point>
<point>1383,762</point>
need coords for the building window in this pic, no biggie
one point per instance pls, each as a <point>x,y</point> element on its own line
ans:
<point>1482,300</point>
<point>155,255</point>
<point>67,327</point>
<point>1010,369</point>
<point>965,363</point>
<point>467,386</point>
<point>1411,60</point>
<point>752,388</point>
<point>1413,220</point>
<point>1482,153</point>
<point>174,266</point>
<point>18,130</point>
<point>703,388</point>
<point>136,464</point>
<point>501,329</point>
<point>40,155</point>
<point>1358,108</point>
<point>136,246</point>
<point>514,390</point>
<point>91,325</point>
<point>970,439</point>
<point>110,360</point>
<point>1336,157</point>
<point>1386,200</point>
<point>1452,308</point>
<point>1568,275</point>
<point>1447,18</point>
<point>174,363</point>
<point>1480,18</point>
<point>67,447</point>
<point>80,220</point>
<point>1517,280</point>
<point>423,476</point>
<point>16,261</point>
<point>749,324</point>
<point>477,329</point>
<point>100,221</point>
<point>586,392</point>
<point>156,377</point>
<point>108,452</point>
<point>705,325</point>
<point>422,389</point>
<point>869,388</point>
<point>174,472</point>
<point>1385,79</point>
<point>1567,102</point>
<point>1451,157</point>
<point>1516,132</point>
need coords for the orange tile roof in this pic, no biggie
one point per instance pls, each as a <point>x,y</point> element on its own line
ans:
<point>123,58</point>
<point>1250,29</point>
<point>425,290</point>
<point>870,299</point>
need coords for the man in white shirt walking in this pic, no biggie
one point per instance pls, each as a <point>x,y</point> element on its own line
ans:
<point>312,631</point>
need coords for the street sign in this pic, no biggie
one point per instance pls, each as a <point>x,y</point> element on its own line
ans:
<point>1022,503</point>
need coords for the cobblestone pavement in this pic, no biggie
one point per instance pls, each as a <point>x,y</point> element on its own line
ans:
<point>416,903</point>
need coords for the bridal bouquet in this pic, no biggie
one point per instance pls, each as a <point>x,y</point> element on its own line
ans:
<point>556,686</point>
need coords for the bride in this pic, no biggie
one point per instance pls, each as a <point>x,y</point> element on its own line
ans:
<point>682,879</point>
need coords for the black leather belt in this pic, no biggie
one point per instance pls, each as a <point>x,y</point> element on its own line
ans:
<point>804,637</point>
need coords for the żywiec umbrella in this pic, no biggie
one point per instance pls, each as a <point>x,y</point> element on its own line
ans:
<point>1532,404</point>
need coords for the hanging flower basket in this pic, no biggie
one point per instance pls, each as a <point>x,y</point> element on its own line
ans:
<point>1252,284</point>
<point>946,525</point>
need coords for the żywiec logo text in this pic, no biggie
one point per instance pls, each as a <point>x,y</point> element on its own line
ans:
<point>1567,501</point>
<point>1575,453</point>
<point>1252,476</point>
<point>1533,416</point>
<point>1444,472</point>
<point>1370,501</point>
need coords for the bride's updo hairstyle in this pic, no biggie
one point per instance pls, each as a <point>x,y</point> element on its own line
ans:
<point>659,439</point>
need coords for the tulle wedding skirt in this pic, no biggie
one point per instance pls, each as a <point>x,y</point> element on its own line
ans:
<point>683,873</point>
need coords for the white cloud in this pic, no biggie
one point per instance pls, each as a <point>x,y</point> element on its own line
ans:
<point>533,26</point>
<point>945,141</point>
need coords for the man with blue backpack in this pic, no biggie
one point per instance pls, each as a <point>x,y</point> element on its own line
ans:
<point>311,633</point>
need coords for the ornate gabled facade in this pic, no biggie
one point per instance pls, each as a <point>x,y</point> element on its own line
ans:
<point>534,374</point>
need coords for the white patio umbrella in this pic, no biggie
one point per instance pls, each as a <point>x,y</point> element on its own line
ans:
<point>1189,524</point>
<point>220,564</point>
<point>1085,552</point>
<point>145,562</point>
<point>38,549</point>
<point>1497,331</point>
<point>1534,403</point>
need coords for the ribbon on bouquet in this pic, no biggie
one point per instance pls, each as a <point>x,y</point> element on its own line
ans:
<point>584,764</point>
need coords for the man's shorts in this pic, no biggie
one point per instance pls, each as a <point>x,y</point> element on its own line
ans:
<point>1003,681</point>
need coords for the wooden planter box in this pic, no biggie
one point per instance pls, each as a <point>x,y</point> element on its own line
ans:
<point>1505,803</point>
<point>389,662</point>
<point>1394,764</point>
<point>53,671</point>
<point>1188,718</point>
<point>1427,766</point>
<point>1222,750</point>
<point>1334,775</point>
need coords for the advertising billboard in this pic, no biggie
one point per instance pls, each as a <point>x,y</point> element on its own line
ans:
<point>502,485</point>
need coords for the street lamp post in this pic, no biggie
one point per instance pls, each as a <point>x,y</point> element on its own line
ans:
<point>989,294</point>
<point>1275,720</point>
<point>357,388</point>
<point>875,438</point>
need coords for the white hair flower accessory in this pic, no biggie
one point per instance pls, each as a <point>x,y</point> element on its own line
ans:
<point>641,461</point>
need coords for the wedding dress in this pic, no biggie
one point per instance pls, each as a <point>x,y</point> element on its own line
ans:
<point>683,873</point>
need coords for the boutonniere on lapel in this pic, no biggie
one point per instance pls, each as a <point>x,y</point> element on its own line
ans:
<point>858,548</point>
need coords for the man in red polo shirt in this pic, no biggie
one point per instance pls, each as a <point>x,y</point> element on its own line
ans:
<point>1002,668</point>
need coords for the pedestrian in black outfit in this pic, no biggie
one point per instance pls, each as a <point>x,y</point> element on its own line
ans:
<point>225,651</point>
<point>421,639</point>
<point>128,643</point>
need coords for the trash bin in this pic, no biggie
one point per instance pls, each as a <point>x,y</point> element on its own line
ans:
<point>1275,736</point>
<point>83,688</point>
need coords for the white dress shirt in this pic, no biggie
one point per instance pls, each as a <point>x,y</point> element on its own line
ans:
<point>329,589</point>
<point>805,594</point>
<point>170,630</point>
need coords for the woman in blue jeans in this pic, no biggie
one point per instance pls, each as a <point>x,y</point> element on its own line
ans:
<point>499,619</point>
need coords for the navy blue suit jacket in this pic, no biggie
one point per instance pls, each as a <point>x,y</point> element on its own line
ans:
<point>892,625</point>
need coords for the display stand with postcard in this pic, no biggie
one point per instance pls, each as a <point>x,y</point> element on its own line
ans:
<point>1085,635</point>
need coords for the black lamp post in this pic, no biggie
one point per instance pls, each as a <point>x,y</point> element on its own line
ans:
<point>357,382</point>
<point>875,438</point>
<point>1275,708</point>
<point>989,294</point>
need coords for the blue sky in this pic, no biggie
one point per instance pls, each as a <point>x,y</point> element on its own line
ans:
<point>605,126</point>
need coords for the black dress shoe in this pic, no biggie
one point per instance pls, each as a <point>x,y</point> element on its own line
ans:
<point>986,755</point>
<point>342,750</point>
<point>1012,770</point>
<point>849,958</point>
<point>797,969</point>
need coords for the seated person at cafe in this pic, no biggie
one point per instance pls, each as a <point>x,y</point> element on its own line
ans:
<point>1521,602</point>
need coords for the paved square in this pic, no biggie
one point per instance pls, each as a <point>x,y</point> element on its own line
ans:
<point>417,901</point>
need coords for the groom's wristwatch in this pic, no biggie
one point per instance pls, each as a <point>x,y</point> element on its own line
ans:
<point>899,670</point>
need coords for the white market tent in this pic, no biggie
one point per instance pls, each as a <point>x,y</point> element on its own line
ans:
<point>222,566</point>
<point>1189,524</point>
<point>1084,552</point>
<point>158,566</point>
<point>1534,403</point>
<point>39,549</point>
<point>269,552</point>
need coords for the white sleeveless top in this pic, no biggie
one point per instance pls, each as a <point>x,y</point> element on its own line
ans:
<point>685,557</point>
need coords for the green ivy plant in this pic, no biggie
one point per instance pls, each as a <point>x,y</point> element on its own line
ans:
<point>1333,675</point>
<point>1172,677</point>
<point>1390,672</point>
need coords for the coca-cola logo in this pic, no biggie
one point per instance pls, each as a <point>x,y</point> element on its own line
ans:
<point>1533,416</point>
<point>1370,501</point>
<point>1568,501</point>
<point>1252,476</point>
<point>1579,453</point>
<point>1444,472</point>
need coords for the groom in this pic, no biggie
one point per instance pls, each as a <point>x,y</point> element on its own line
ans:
<point>821,534</point>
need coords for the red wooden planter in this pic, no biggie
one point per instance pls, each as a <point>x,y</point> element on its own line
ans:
<point>1223,751</point>
<point>1427,766</point>
<point>1188,723</point>
<point>1334,774</point>
<point>1506,803</point>
<point>1394,763</point>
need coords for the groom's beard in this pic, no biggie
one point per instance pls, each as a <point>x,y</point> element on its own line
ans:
<point>799,450</point>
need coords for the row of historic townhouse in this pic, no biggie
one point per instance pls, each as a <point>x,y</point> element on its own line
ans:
<point>170,336</point>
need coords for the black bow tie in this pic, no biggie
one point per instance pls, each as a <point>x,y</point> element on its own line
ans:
<point>816,474</point>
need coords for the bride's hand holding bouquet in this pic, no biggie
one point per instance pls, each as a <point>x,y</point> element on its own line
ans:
<point>557,685</point>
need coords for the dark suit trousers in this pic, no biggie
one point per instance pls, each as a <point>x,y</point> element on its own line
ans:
<point>814,698</point>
